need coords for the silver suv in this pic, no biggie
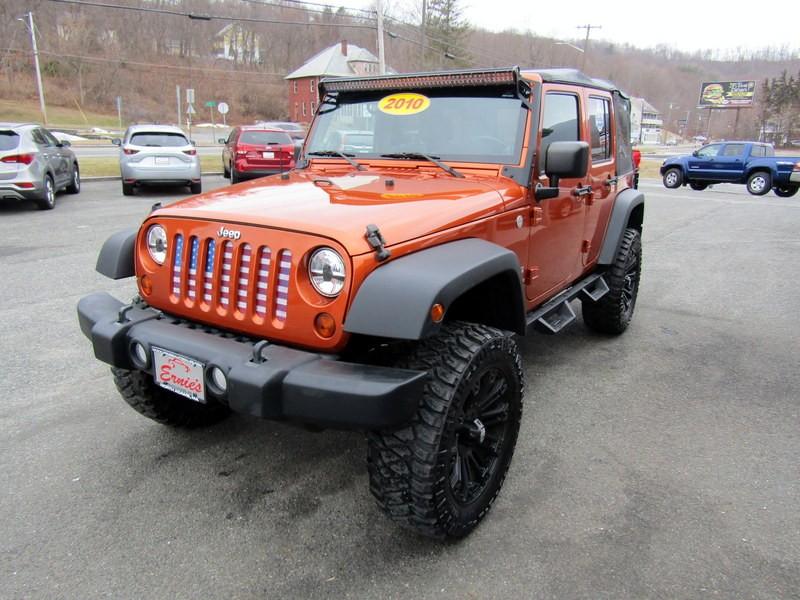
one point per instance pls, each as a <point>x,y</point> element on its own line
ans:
<point>34,165</point>
<point>160,154</point>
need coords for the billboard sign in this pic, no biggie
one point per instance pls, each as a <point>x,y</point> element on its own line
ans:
<point>727,94</point>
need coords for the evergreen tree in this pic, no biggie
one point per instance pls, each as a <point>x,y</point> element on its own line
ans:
<point>447,33</point>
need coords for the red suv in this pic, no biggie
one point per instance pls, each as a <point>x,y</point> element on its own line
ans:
<point>256,151</point>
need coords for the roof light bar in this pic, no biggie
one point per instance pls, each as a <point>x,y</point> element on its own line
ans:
<point>504,76</point>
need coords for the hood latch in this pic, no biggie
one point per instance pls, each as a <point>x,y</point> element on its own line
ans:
<point>376,242</point>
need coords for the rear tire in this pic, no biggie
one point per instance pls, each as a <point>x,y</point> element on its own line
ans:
<point>127,189</point>
<point>140,391</point>
<point>613,312</point>
<point>74,186</point>
<point>759,183</point>
<point>48,199</point>
<point>699,187</point>
<point>440,474</point>
<point>196,188</point>
<point>226,172</point>
<point>786,192</point>
<point>235,177</point>
<point>673,178</point>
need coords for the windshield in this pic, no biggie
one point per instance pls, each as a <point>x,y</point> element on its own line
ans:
<point>170,140</point>
<point>465,125</point>
<point>264,137</point>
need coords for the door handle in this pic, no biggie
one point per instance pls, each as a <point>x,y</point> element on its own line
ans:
<point>611,181</point>
<point>582,190</point>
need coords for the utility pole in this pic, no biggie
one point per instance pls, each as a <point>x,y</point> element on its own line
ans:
<point>381,54</point>
<point>178,94</point>
<point>32,29</point>
<point>422,36</point>
<point>588,29</point>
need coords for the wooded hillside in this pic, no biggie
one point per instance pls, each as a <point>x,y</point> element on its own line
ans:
<point>240,50</point>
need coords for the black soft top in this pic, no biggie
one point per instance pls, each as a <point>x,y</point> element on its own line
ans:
<point>574,77</point>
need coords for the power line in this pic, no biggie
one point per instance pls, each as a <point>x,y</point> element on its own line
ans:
<point>207,17</point>
<point>331,7</point>
<point>134,63</point>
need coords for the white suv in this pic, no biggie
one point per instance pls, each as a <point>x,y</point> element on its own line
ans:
<point>159,154</point>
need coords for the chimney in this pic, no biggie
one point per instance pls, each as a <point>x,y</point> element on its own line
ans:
<point>344,47</point>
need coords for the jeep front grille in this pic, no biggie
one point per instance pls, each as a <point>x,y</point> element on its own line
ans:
<point>235,278</point>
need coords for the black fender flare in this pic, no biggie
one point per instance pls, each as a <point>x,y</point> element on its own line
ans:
<point>627,202</point>
<point>395,300</point>
<point>116,256</point>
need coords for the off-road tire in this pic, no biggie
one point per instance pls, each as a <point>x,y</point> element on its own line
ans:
<point>786,192</point>
<point>412,469</point>
<point>127,189</point>
<point>140,391</point>
<point>673,178</point>
<point>196,188</point>
<point>698,187</point>
<point>74,186</point>
<point>48,199</point>
<point>613,312</point>
<point>759,183</point>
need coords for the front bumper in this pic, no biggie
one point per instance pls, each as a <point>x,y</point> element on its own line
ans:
<point>264,380</point>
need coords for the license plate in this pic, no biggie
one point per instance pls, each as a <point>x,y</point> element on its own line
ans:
<point>162,160</point>
<point>179,374</point>
<point>268,155</point>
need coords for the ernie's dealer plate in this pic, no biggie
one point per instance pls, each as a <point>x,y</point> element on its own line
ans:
<point>179,374</point>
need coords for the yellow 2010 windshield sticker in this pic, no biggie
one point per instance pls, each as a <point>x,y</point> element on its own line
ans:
<point>404,104</point>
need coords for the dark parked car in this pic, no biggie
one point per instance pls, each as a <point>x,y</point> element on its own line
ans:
<point>34,165</point>
<point>255,151</point>
<point>296,131</point>
<point>751,163</point>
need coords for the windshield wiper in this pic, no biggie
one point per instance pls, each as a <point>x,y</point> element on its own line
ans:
<point>358,166</point>
<point>429,158</point>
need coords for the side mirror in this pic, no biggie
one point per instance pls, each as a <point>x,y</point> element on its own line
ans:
<point>222,140</point>
<point>64,144</point>
<point>695,154</point>
<point>116,142</point>
<point>193,143</point>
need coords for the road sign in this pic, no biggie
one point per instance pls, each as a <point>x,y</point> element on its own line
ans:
<point>190,95</point>
<point>210,103</point>
<point>223,108</point>
<point>190,110</point>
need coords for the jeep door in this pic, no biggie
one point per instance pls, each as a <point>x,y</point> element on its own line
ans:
<point>554,253</point>
<point>599,131</point>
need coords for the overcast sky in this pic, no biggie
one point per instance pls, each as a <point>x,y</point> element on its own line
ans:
<point>686,25</point>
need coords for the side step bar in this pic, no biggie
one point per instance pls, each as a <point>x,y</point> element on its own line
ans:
<point>556,313</point>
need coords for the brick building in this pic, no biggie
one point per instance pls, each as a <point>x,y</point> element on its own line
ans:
<point>339,60</point>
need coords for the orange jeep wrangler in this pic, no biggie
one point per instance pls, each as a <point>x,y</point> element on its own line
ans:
<point>382,290</point>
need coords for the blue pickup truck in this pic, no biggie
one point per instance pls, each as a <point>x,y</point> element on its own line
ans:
<point>751,163</point>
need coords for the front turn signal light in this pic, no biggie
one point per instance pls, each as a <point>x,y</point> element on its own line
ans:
<point>325,325</point>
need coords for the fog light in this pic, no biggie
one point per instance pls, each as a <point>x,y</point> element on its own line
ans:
<point>325,325</point>
<point>140,354</point>
<point>218,378</point>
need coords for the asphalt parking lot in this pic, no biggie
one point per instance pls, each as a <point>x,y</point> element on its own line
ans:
<point>660,464</point>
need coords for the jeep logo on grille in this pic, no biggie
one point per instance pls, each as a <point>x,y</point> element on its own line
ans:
<point>231,234</point>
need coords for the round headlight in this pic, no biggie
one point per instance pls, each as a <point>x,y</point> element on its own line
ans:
<point>326,271</point>
<point>157,243</point>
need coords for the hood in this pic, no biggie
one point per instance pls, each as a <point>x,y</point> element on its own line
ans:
<point>404,203</point>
